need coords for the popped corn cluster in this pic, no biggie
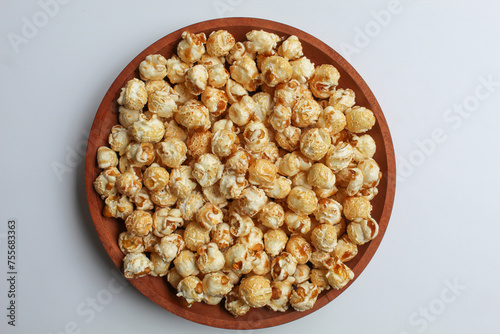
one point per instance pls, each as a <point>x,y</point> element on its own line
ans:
<point>242,172</point>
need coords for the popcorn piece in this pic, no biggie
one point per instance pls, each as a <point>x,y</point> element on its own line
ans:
<point>234,304</point>
<point>119,138</point>
<point>239,259</point>
<point>346,250</point>
<point>219,43</point>
<point>262,172</point>
<point>136,265</point>
<point>173,277</point>
<point>156,85</point>
<point>364,147</point>
<point>339,275</point>
<point>272,215</point>
<point>299,248</point>
<point>256,136</point>
<point>325,192</point>
<point>169,247</point>
<point>215,100</point>
<point>133,95</point>
<point>280,189</point>
<point>283,266</point>
<point>261,264</point>
<point>196,79</point>
<point>271,152</point>
<point>238,162</point>
<point>163,198</point>
<point>293,163</point>
<point>275,241</point>
<point>371,172</point>
<point>117,207</point>
<point>318,277</point>
<point>265,103</point>
<point>342,99</point>
<point>148,130</point>
<point>209,216</point>
<point>160,267</point>
<point>329,211</point>
<point>142,200</point>
<point>184,94</point>
<point>166,221</point>
<point>196,236</point>
<point>297,223</point>
<point>129,183</point>
<point>235,92</point>
<point>214,196</point>
<point>261,42</point>
<point>210,258</point>
<point>362,230</point>
<point>139,223</point>
<point>302,274</point>
<point>281,291</point>
<point>245,72</point>
<point>314,143</point>
<point>356,207</point>
<point>130,243</point>
<point>306,112</point>
<point>182,181</point>
<point>172,130</point>
<point>255,291</point>
<point>304,296</point>
<point>106,157</point>
<point>275,69</point>
<point>332,120</point>
<point>237,52</point>
<point>190,205</point>
<point>163,102</point>
<point>321,176</point>
<point>302,200</point>
<point>241,225</point>
<point>172,152</point>
<point>281,117</point>
<point>319,259</point>
<point>105,182</point>
<point>153,67</point>
<point>339,156</point>
<point>252,200</point>
<point>216,284</point>
<point>289,138</point>
<point>155,177</point>
<point>242,111</point>
<point>127,117</point>
<point>232,185</point>
<point>224,142</point>
<point>221,235</point>
<point>253,240</point>
<point>324,237</point>
<point>289,93</point>
<point>302,69</point>
<point>193,115</point>
<point>352,179</point>
<point>199,143</point>
<point>291,48</point>
<point>185,263</point>
<point>176,69</point>
<point>359,119</point>
<point>140,154</point>
<point>217,76</point>
<point>192,46</point>
<point>191,289</point>
<point>324,81</point>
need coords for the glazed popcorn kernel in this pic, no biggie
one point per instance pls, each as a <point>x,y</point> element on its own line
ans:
<point>242,167</point>
<point>153,67</point>
<point>133,95</point>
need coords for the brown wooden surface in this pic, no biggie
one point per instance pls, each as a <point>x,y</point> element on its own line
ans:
<point>157,289</point>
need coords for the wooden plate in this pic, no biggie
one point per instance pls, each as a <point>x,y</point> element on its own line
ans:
<point>157,289</point>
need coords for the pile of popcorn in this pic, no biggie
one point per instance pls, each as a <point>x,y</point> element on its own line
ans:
<point>242,172</point>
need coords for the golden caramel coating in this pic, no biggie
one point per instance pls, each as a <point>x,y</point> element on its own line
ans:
<point>118,207</point>
<point>241,225</point>
<point>371,173</point>
<point>140,154</point>
<point>193,115</point>
<point>291,48</point>
<point>217,76</point>
<point>318,277</point>
<point>356,207</point>
<point>130,243</point>
<point>261,263</point>
<point>209,216</point>
<point>173,277</point>
<point>238,162</point>
<point>299,248</point>
<point>215,100</point>
<point>280,188</point>
<point>297,223</point>
<point>324,81</point>
<point>345,250</point>
<point>239,259</point>
<point>275,241</point>
<point>321,176</point>
<point>275,70</point>
<point>219,43</point>
<point>166,221</point>
<point>184,94</point>
<point>192,46</point>
<point>136,265</point>
<point>262,172</point>
<point>304,296</point>
<point>256,136</point>
<point>306,112</point>
<point>185,263</point>
<point>129,183</point>
<point>160,267</point>
<point>169,247</point>
<point>196,236</point>
<point>302,69</point>
<point>302,274</point>
<point>156,85</point>
<point>244,71</point>
<point>216,284</point>
<point>155,177</point>
<point>231,185</point>
<point>253,240</point>
<point>251,201</point>
<point>172,130</point>
<point>324,237</point>
<point>196,79</point>
<point>222,236</point>
<point>241,112</point>
<point>172,152</point>
<point>359,119</point>
<point>182,182</point>
<point>342,99</point>
<point>133,95</point>
<point>272,215</point>
<point>208,170</point>
<point>163,102</point>
<point>352,179</point>
<point>362,230</point>
<point>142,200</point>
<point>199,143</point>
<point>293,163</point>
<point>314,143</point>
<point>139,223</point>
<point>338,275</point>
<point>280,117</point>
<point>224,143</point>
<point>302,201</point>
<point>148,130</point>
<point>163,198</point>
<point>329,211</point>
<point>235,92</point>
<point>234,304</point>
<point>281,291</point>
<point>332,120</point>
<point>339,156</point>
<point>255,291</point>
<point>289,138</point>
<point>319,259</point>
<point>153,67</point>
<point>191,289</point>
<point>105,182</point>
<point>210,258</point>
<point>283,266</point>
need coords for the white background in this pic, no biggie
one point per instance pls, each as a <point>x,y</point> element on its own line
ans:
<point>432,57</point>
